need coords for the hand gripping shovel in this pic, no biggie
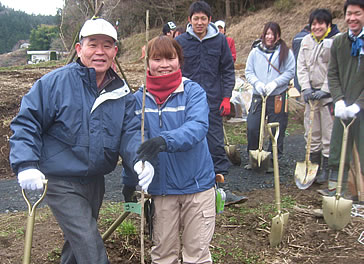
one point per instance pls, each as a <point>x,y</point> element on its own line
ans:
<point>260,157</point>
<point>306,171</point>
<point>336,209</point>
<point>231,151</point>
<point>280,221</point>
<point>30,222</point>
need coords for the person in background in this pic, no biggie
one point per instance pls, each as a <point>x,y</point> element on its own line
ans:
<point>71,128</point>
<point>208,61</point>
<point>182,189</point>
<point>269,69</point>
<point>296,44</point>
<point>169,28</point>
<point>222,29</point>
<point>346,79</point>
<point>312,67</point>
<point>178,31</point>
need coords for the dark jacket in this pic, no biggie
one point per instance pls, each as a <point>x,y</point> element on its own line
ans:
<point>209,63</point>
<point>66,128</point>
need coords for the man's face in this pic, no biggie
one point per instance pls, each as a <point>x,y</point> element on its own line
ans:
<point>97,51</point>
<point>354,17</point>
<point>200,22</point>
<point>319,28</point>
<point>221,30</point>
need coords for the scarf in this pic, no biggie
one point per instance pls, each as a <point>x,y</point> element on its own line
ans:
<point>268,50</point>
<point>323,37</point>
<point>162,86</point>
<point>357,43</point>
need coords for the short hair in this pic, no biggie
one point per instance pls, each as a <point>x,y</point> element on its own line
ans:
<point>321,15</point>
<point>200,7</point>
<point>164,47</point>
<point>353,2</point>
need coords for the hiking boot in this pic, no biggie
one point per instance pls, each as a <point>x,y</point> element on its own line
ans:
<point>129,194</point>
<point>234,199</point>
<point>324,175</point>
<point>315,157</point>
<point>270,168</point>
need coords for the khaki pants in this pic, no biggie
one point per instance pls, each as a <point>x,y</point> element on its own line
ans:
<point>193,215</point>
<point>321,128</point>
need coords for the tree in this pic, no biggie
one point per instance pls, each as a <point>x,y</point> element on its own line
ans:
<point>41,37</point>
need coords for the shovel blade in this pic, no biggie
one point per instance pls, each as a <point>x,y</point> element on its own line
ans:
<point>259,159</point>
<point>233,154</point>
<point>337,211</point>
<point>305,174</point>
<point>279,222</point>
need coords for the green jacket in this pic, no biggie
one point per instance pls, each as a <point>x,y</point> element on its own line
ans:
<point>346,73</point>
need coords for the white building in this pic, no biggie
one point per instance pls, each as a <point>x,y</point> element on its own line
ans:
<point>37,56</point>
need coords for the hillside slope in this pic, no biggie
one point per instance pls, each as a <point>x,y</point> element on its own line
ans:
<point>247,28</point>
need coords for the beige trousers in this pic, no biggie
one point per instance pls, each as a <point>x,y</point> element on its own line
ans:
<point>321,128</point>
<point>190,217</point>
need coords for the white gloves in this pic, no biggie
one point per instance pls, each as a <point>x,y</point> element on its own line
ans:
<point>259,86</point>
<point>352,110</point>
<point>145,175</point>
<point>340,109</point>
<point>31,179</point>
<point>269,88</point>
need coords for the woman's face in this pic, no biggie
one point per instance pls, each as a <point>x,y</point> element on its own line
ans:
<point>160,66</point>
<point>270,38</point>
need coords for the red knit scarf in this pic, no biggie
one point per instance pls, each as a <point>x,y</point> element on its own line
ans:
<point>162,86</point>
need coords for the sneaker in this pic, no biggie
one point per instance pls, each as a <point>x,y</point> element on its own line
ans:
<point>324,192</point>
<point>234,199</point>
<point>248,166</point>
<point>318,212</point>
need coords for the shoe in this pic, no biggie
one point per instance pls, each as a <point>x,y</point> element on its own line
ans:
<point>324,192</point>
<point>248,166</point>
<point>324,175</point>
<point>270,168</point>
<point>318,212</point>
<point>234,199</point>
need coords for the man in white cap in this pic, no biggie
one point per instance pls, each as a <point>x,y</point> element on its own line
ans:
<point>71,128</point>
<point>222,29</point>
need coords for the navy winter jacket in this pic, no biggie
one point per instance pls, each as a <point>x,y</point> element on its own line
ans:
<point>186,167</point>
<point>66,128</point>
<point>209,63</point>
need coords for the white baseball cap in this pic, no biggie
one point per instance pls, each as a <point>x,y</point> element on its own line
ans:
<point>220,23</point>
<point>98,26</point>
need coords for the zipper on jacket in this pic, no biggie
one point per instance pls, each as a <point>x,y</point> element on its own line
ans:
<point>160,116</point>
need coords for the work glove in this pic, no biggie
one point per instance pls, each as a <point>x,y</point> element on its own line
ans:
<point>319,94</point>
<point>352,110</point>
<point>307,95</point>
<point>150,148</point>
<point>145,174</point>
<point>340,109</point>
<point>225,107</point>
<point>269,87</point>
<point>259,87</point>
<point>31,179</point>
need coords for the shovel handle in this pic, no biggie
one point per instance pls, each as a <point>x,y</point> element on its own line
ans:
<point>274,139</point>
<point>262,121</point>
<point>30,222</point>
<point>313,106</point>
<point>343,155</point>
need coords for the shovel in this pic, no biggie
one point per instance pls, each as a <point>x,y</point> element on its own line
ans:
<point>231,151</point>
<point>336,209</point>
<point>30,222</point>
<point>260,157</point>
<point>306,171</point>
<point>280,221</point>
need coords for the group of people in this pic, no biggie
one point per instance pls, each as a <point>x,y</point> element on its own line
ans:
<point>76,121</point>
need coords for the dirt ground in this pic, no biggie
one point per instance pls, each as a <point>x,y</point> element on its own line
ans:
<point>242,231</point>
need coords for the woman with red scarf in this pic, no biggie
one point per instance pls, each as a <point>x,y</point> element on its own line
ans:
<point>182,188</point>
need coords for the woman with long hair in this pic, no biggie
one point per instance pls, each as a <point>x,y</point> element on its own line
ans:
<point>270,67</point>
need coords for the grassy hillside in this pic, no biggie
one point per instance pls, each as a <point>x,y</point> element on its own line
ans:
<point>247,28</point>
